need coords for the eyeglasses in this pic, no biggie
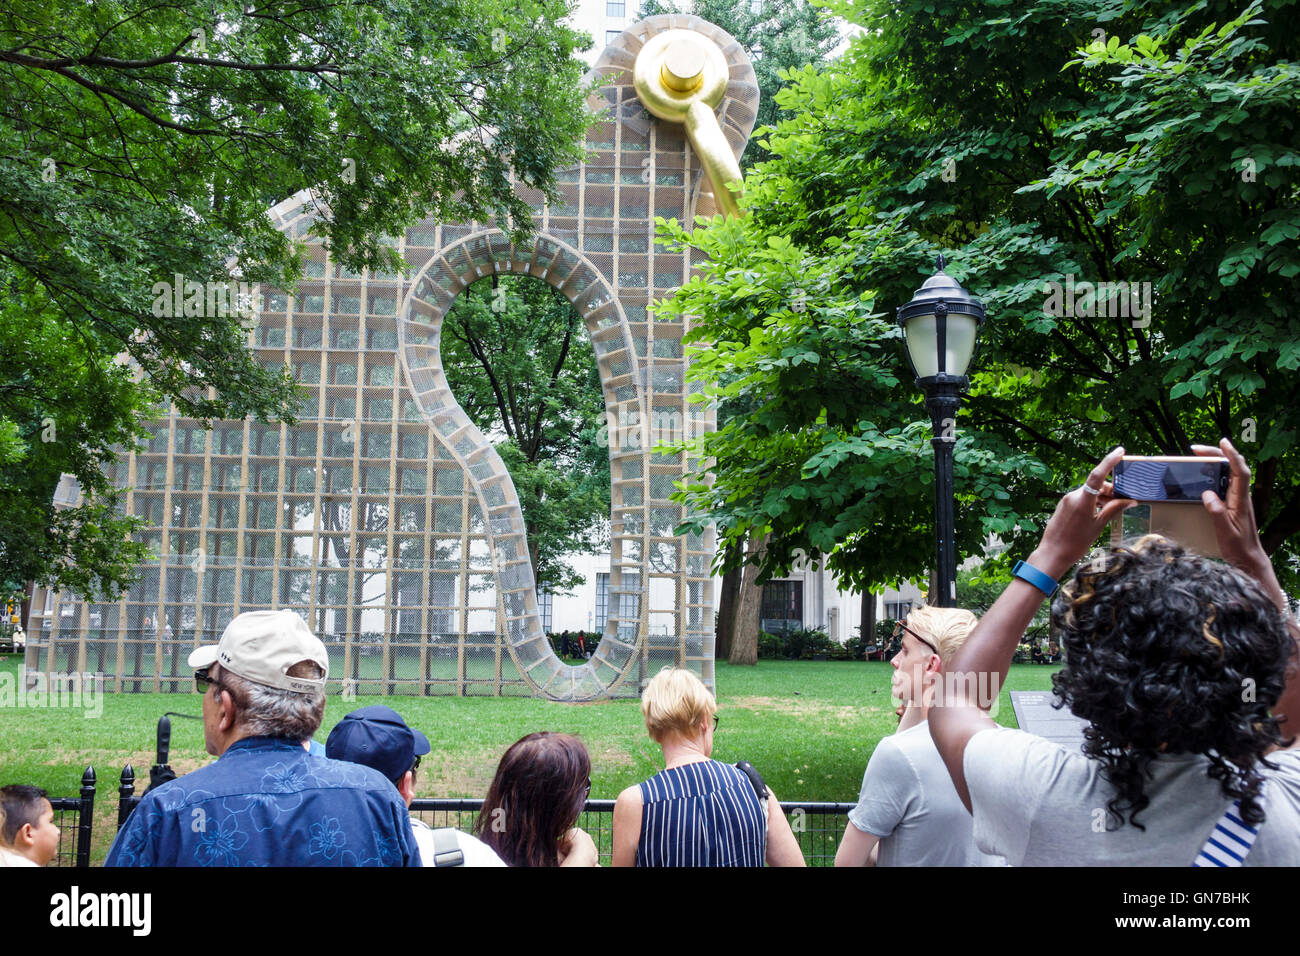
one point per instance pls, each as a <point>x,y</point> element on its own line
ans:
<point>900,627</point>
<point>203,679</point>
<point>587,791</point>
<point>715,723</point>
<point>416,765</point>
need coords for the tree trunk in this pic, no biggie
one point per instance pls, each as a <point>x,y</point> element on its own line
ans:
<point>749,606</point>
<point>725,628</point>
<point>25,612</point>
<point>868,627</point>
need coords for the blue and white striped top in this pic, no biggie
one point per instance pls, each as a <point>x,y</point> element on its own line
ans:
<point>701,814</point>
<point>1230,842</point>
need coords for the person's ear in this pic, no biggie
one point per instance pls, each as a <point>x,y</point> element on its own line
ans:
<point>406,787</point>
<point>226,719</point>
<point>24,836</point>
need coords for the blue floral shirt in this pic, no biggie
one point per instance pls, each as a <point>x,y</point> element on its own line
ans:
<point>267,802</point>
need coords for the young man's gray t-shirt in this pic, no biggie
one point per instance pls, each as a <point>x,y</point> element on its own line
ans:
<point>1041,804</point>
<point>909,801</point>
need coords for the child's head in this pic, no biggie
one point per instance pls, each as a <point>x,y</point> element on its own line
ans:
<point>27,823</point>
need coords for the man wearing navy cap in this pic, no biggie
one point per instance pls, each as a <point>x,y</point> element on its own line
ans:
<point>378,737</point>
<point>265,801</point>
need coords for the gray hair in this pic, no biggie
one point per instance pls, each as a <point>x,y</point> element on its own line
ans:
<point>270,712</point>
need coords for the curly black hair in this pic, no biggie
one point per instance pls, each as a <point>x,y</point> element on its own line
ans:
<point>1171,653</point>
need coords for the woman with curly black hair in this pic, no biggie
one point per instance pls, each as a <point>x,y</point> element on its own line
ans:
<point>1186,670</point>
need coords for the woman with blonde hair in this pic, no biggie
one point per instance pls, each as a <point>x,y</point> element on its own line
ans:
<point>696,811</point>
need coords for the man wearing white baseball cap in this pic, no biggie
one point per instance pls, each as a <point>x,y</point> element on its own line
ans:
<point>266,801</point>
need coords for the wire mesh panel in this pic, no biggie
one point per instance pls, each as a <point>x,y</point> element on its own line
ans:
<point>384,516</point>
<point>74,816</point>
<point>67,816</point>
<point>819,828</point>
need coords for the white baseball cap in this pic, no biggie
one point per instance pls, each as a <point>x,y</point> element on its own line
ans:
<point>261,646</point>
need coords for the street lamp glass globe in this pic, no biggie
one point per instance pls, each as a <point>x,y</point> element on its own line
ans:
<point>922,335</point>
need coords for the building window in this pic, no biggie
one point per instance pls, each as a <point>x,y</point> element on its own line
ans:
<point>897,610</point>
<point>782,608</point>
<point>615,8</point>
<point>611,36</point>
<point>602,600</point>
<point>545,602</point>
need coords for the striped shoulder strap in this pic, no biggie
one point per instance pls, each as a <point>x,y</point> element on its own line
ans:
<point>1229,842</point>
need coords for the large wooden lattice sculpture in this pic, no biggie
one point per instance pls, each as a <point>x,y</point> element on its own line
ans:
<point>385,517</point>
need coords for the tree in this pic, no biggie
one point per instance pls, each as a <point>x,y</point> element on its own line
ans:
<point>776,34</point>
<point>978,588</point>
<point>518,361</point>
<point>1090,142</point>
<point>50,425</point>
<point>140,147</point>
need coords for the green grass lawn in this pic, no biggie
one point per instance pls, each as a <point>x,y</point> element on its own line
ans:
<point>809,727</point>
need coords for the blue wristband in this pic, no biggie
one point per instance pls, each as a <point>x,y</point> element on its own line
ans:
<point>1027,572</point>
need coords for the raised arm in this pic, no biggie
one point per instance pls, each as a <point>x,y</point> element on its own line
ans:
<point>957,715</point>
<point>1238,538</point>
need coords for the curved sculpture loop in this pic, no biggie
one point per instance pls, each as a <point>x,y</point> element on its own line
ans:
<point>385,516</point>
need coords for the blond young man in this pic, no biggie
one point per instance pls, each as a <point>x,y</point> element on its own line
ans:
<point>909,813</point>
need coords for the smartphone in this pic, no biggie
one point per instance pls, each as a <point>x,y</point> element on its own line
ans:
<point>1172,479</point>
<point>1190,527</point>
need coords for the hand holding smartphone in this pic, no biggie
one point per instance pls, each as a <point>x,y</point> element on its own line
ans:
<point>1171,489</point>
<point>1180,480</point>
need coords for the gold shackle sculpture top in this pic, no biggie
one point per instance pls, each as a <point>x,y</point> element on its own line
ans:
<point>680,76</point>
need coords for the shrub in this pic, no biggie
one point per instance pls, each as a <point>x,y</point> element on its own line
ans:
<point>805,644</point>
<point>770,646</point>
<point>885,631</point>
<point>854,649</point>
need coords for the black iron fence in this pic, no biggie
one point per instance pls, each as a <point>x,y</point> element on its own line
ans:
<point>817,826</point>
<point>75,817</point>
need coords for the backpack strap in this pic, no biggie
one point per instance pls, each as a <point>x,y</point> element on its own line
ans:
<point>446,848</point>
<point>1230,842</point>
<point>756,781</point>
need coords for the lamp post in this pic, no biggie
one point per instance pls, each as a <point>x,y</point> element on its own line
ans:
<point>941,327</point>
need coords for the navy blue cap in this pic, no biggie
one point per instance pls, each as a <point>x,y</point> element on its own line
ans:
<point>378,737</point>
